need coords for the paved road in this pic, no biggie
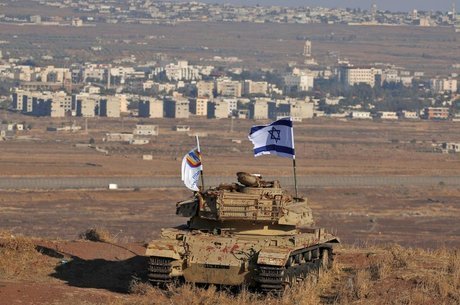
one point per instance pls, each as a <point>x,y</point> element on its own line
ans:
<point>166,182</point>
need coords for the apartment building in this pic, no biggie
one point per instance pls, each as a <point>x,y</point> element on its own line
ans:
<point>302,110</point>
<point>218,109</point>
<point>296,83</point>
<point>181,71</point>
<point>350,75</point>
<point>436,113</point>
<point>90,105</point>
<point>258,109</point>
<point>61,104</point>
<point>251,87</point>
<point>443,85</point>
<point>55,104</point>
<point>85,107</point>
<point>108,106</point>
<point>19,96</point>
<point>227,87</point>
<point>297,109</point>
<point>151,108</point>
<point>205,89</point>
<point>96,72</point>
<point>199,106</point>
<point>176,107</point>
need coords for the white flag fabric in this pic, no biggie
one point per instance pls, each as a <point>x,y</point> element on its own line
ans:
<point>191,168</point>
<point>276,138</point>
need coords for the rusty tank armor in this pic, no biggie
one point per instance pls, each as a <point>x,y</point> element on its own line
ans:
<point>252,232</point>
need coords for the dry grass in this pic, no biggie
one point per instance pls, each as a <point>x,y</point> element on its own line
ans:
<point>386,275</point>
<point>308,292</point>
<point>98,235</point>
<point>19,257</point>
<point>428,277</point>
<point>372,275</point>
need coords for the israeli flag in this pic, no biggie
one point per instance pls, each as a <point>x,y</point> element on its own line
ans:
<point>276,138</point>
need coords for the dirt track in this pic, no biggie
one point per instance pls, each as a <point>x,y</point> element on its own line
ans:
<point>165,182</point>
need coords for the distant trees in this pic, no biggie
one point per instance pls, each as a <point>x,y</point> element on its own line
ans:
<point>382,97</point>
<point>4,104</point>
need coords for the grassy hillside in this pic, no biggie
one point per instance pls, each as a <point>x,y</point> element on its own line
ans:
<point>368,275</point>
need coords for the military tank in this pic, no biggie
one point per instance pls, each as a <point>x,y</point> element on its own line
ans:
<point>251,233</point>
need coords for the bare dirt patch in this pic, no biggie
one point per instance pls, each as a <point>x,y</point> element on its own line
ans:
<point>82,272</point>
<point>323,147</point>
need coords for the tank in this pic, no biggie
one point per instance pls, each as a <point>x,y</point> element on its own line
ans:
<point>251,233</point>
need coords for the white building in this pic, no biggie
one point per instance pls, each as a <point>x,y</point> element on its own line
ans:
<point>221,108</point>
<point>205,89</point>
<point>96,72</point>
<point>123,102</point>
<point>146,130</point>
<point>410,115</point>
<point>86,107</point>
<point>298,81</point>
<point>443,85</point>
<point>227,87</point>
<point>258,109</point>
<point>251,87</point>
<point>351,75</point>
<point>151,108</point>
<point>295,108</point>
<point>360,115</point>
<point>109,106</point>
<point>182,71</point>
<point>388,115</point>
<point>61,104</point>
<point>199,106</point>
<point>302,110</point>
<point>176,107</point>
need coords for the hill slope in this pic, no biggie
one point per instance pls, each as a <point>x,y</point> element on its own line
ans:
<point>85,272</point>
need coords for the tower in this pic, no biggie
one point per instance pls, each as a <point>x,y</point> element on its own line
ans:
<point>454,12</point>
<point>373,11</point>
<point>307,49</point>
<point>308,58</point>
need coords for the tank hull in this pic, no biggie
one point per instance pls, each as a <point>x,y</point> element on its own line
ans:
<point>251,233</point>
<point>238,259</point>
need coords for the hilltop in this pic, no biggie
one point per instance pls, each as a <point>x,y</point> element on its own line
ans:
<point>106,272</point>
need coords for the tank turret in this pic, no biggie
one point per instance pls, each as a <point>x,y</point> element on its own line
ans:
<point>251,232</point>
<point>251,205</point>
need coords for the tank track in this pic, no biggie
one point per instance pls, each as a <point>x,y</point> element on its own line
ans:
<point>301,263</point>
<point>159,270</point>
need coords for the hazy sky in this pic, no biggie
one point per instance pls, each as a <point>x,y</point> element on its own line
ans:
<point>392,5</point>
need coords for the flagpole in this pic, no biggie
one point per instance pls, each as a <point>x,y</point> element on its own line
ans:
<point>201,171</point>
<point>295,178</point>
<point>293,161</point>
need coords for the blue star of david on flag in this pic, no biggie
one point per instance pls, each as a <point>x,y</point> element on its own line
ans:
<point>276,138</point>
<point>274,134</point>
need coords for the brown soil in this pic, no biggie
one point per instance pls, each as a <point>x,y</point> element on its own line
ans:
<point>422,217</point>
<point>82,272</point>
<point>329,147</point>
